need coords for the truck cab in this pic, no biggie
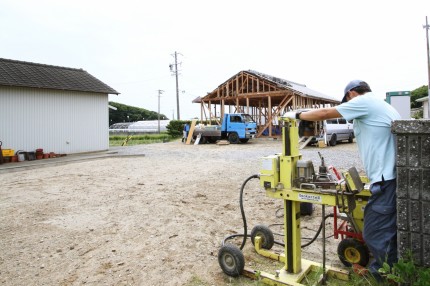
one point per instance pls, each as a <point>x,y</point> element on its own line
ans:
<point>238,127</point>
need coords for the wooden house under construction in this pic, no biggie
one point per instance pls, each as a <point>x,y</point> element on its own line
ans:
<point>262,96</point>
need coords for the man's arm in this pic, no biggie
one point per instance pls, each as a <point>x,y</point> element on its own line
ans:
<point>314,115</point>
<point>320,114</point>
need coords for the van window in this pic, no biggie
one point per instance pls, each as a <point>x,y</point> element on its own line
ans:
<point>332,121</point>
<point>342,121</point>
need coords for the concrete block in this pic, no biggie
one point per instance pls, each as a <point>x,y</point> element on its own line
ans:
<point>414,183</point>
<point>402,182</point>
<point>403,214</point>
<point>413,188</point>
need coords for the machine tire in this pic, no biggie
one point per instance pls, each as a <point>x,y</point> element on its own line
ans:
<point>351,251</point>
<point>351,138</point>
<point>265,233</point>
<point>203,140</point>
<point>333,140</point>
<point>233,138</point>
<point>231,260</point>
<point>244,140</point>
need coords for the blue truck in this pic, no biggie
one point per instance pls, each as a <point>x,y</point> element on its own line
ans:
<point>235,127</point>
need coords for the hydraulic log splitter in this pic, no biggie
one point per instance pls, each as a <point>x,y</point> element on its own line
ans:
<point>286,176</point>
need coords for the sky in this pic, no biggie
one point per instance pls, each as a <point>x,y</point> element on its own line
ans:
<point>130,44</point>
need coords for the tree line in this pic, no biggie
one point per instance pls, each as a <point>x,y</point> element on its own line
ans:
<point>127,113</point>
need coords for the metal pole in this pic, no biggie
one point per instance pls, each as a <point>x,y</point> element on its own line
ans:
<point>159,94</point>
<point>428,66</point>
<point>177,86</point>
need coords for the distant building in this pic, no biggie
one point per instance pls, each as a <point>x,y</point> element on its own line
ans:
<point>425,101</point>
<point>59,109</point>
<point>142,127</point>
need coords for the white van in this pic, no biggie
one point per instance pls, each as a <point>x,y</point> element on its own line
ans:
<point>338,129</point>
<point>331,130</point>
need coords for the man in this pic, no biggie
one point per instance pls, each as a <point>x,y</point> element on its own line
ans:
<point>185,132</point>
<point>377,147</point>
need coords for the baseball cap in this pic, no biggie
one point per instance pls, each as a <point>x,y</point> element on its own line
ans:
<point>353,84</point>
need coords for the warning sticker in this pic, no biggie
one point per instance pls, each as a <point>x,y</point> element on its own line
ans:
<point>308,197</point>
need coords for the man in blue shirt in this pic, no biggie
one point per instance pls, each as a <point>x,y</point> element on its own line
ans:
<point>185,132</point>
<point>377,147</point>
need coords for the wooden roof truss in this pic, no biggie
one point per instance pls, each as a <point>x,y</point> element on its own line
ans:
<point>263,99</point>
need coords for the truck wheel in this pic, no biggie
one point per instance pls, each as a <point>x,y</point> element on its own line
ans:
<point>203,140</point>
<point>351,138</point>
<point>333,140</point>
<point>352,251</point>
<point>244,140</point>
<point>233,138</point>
<point>231,260</point>
<point>266,235</point>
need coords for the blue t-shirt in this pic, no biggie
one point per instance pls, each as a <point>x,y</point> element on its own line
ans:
<point>372,128</point>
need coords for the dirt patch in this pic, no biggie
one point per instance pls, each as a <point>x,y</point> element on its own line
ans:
<point>157,219</point>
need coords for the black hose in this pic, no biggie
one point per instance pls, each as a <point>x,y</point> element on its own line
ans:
<point>318,231</point>
<point>245,226</point>
<point>242,211</point>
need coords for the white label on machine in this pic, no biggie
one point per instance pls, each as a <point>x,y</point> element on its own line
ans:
<point>307,197</point>
<point>267,164</point>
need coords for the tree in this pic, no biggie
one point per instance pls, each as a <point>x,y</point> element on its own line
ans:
<point>417,94</point>
<point>127,113</point>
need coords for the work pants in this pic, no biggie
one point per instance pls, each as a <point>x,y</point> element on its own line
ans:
<point>380,225</point>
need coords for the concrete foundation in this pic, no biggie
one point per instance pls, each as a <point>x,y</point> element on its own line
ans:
<point>413,189</point>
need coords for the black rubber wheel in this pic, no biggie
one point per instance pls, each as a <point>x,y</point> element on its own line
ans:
<point>333,140</point>
<point>244,140</point>
<point>203,140</point>
<point>351,138</point>
<point>352,251</point>
<point>266,235</point>
<point>233,138</point>
<point>231,260</point>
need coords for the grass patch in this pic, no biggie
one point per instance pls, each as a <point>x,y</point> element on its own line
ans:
<point>129,140</point>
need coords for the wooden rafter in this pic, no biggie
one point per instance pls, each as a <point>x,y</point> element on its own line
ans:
<point>265,98</point>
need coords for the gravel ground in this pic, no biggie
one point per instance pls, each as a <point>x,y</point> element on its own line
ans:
<point>156,219</point>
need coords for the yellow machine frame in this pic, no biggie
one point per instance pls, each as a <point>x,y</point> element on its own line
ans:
<point>276,178</point>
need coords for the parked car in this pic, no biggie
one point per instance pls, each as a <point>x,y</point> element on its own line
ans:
<point>338,129</point>
<point>331,130</point>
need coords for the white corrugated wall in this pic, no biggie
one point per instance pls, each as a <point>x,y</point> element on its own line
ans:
<point>63,122</point>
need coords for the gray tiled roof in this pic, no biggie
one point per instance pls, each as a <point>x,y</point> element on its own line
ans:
<point>27,74</point>
<point>300,88</point>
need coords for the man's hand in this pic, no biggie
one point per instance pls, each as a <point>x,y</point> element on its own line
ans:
<point>290,114</point>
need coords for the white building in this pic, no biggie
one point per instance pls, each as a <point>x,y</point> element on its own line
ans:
<point>425,101</point>
<point>58,109</point>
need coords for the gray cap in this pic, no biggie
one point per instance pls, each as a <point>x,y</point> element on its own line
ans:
<point>353,84</point>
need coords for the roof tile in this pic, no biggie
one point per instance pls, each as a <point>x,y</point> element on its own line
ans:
<point>28,74</point>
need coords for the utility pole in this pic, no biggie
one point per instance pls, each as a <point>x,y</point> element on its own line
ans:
<point>428,65</point>
<point>159,95</point>
<point>176,72</point>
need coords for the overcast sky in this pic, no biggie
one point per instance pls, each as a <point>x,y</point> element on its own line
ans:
<point>129,44</point>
